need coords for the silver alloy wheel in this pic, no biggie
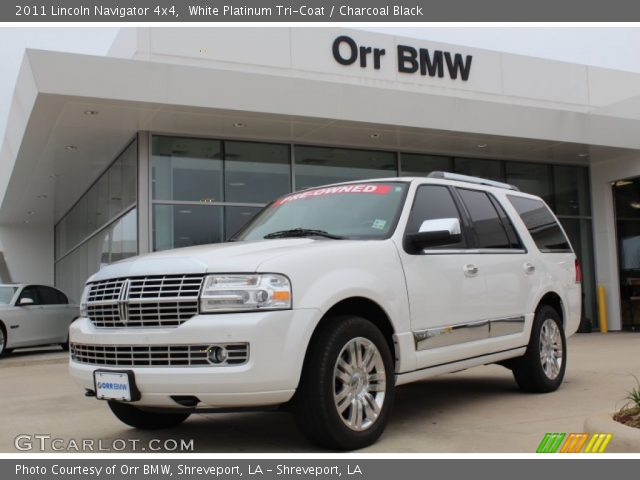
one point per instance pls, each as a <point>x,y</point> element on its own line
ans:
<point>359,384</point>
<point>1,342</point>
<point>550,349</point>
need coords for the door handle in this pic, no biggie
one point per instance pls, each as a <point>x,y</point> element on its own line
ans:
<point>470,270</point>
<point>529,268</point>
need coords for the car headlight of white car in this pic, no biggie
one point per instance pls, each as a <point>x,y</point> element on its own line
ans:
<point>245,292</point>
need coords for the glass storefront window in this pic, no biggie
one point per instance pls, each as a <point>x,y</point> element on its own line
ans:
<point>489,169</point>
<point>256,172</point>
<point>176,226</point>
<point>320,166</point>
<point>72,272</point>
<point>115,242</point>
<point>534,178</point>
<point>77,226</point>
<point>186,169</point>
<point>415,165</point>
<point>571,190</point>
<point>113,192</point>
<point>626,194</point>
<point>124,238</point>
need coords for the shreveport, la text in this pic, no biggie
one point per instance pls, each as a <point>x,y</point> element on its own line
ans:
<point>167,470</point>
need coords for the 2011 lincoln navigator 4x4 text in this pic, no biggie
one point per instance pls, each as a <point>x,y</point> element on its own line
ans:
<point>328,300</point>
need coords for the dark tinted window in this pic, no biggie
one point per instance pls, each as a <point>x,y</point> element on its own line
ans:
<point>50,296</point>
<point>541,224</point>
<point>62,298</point>
<point>514,238</point>
<point>433,202</point>
<point>487,226</point>
<point>30,292</point>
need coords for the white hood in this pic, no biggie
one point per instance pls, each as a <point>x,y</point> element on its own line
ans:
<point>222,257</point>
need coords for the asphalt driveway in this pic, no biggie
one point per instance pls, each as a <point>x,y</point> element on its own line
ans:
<point>478,410</point>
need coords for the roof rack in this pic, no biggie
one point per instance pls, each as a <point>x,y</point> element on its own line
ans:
<point>469,179</point>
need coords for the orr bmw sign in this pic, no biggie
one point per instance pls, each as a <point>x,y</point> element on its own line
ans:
<point>411,60</point>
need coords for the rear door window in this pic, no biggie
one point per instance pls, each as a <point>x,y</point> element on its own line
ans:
<point>49,296</point>
<point>489,228</point>
<point>542,225</point>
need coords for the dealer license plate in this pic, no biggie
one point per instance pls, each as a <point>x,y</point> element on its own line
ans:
<point>112,385</point>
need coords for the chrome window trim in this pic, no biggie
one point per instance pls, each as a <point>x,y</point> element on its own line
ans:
<point>479,251</point>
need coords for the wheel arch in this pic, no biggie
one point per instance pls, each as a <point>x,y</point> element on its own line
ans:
<point>554,300</point>
<point>362,307</point>
<point>3,327</point>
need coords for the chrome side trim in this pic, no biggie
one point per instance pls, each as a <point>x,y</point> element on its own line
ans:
<point>467,332</point>
<point>474,251</point>
<point>451,335</point>
<point>506,326</point>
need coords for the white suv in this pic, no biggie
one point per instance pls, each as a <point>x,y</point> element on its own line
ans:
<point>329,299</point>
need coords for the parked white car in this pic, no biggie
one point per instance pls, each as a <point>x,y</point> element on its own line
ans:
<point>328,300</point>
<point>34,315</point>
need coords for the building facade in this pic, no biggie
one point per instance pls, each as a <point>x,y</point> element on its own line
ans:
<point>179,136</point>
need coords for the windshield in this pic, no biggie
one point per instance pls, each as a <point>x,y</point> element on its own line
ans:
<point>353,211</point>
<point>6,294</point>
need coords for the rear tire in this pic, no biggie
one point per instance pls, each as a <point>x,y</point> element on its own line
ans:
<point>347,386</point>
<point>65,345</point>
<point>542,367</point>
<point>143,419</point>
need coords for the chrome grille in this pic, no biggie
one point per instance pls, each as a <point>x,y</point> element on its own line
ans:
<point>165,286</point>
<point>160,314</point>
<point>156,355</point>
<point>105,291</point>
<point>152,301</point>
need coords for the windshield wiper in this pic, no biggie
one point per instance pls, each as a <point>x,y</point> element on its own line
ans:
<point>301,232</point>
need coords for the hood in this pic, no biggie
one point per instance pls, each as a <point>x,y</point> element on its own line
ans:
<point>214,258</point>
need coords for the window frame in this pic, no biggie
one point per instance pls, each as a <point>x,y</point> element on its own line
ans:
<point>553,216</point>
<point>464,224</point>
<point>36,300</point>
<point>497,206</point>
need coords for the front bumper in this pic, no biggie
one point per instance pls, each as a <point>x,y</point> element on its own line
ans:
<point>277,345</point>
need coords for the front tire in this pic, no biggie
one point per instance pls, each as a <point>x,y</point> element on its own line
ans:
<point>3,342</point>
<point>542,367</point>
<point>144,419</point>
<point>347,385</point>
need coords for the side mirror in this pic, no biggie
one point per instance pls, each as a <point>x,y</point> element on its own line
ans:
<point>433,233</point>
<point>24,301</point>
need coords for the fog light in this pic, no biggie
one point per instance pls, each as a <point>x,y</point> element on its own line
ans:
<point>217,355</point>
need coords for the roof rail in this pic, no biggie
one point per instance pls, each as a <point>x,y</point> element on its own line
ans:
<point>469,179</point>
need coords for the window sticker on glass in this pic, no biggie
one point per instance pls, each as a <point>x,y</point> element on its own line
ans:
<point>376,189</point>
<point>379,224</point>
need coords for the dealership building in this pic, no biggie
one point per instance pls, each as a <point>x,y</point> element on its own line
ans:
<point>178,136</point>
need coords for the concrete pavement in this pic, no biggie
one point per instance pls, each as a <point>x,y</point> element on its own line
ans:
<point>478,410</point>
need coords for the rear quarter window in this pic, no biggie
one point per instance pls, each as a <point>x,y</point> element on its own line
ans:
<point>541,224</point>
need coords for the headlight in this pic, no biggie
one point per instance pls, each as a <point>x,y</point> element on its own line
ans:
<point>83,301</point>
<point>237,292</point>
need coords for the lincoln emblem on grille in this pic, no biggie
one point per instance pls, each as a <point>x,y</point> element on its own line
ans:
<point>123,300</point>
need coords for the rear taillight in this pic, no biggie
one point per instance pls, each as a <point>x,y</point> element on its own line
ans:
<point>578,272</point>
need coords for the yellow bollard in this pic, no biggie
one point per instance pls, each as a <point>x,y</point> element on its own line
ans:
<point>602,309</point>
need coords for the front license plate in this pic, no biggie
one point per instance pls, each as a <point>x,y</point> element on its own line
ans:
<point>112,385</point>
